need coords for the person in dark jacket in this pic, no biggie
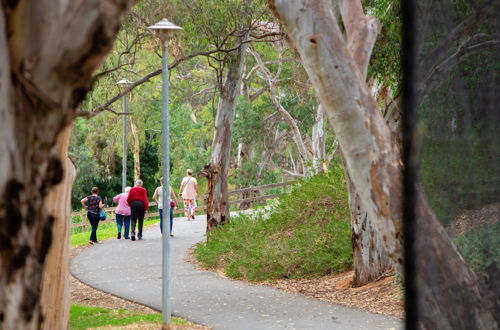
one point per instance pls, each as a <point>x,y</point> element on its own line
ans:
<point>138,201</point>
<point>93,207</point>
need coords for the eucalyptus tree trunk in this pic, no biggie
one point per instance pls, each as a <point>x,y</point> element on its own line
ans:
<point>56,294</point>
<point>450,296</point>
<point>48,52</point>
<point>136,151</point>
<point>318,141</point>
<point>371,260</point>
<point>244,154</point>
<point>217,169</point>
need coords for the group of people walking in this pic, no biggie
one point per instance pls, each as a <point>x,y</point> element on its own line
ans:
<point>133,205</point>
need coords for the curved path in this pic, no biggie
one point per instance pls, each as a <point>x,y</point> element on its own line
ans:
<point>132,270</point>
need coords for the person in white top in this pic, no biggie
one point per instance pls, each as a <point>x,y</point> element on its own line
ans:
<point>158,198</point>
<point>189,192</point>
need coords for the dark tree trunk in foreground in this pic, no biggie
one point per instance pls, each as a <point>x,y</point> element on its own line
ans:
<point>48,52</point>
<point>451,295</point>
<point>217,169</point>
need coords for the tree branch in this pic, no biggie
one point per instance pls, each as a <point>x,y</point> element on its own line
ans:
<point>443,48</point>
<point>301,146</point>
<point>361,31</point>
<point>432,77</point>
<point>147,77</point>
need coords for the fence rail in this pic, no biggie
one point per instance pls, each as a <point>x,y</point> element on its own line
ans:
<point>250,196</point>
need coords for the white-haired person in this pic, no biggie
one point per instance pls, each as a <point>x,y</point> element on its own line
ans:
<point>138,201</point>
<point>122,213</point>
<point>189,192</point>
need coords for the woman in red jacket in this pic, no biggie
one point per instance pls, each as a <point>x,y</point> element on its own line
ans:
<point>138,201</point>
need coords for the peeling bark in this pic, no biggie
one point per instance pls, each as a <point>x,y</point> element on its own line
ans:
<point>318,142</point>
<point>48,52</point>
<point>56,294</point>
<point>370,257</point>
<point>136,151</point>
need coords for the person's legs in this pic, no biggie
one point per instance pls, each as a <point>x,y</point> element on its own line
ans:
<point>119,224</point>
<point>193,208</point>
<point>171,220</point>
<point>133,221</point>
<point>94,222</point>
<point>141,222</point>
<point>137,208</point>
<point>126,221</point>
<point>186,208</point>
<point>161,220</point>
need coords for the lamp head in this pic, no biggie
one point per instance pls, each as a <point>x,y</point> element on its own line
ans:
<point>163,29</point>
<point>124,83</point>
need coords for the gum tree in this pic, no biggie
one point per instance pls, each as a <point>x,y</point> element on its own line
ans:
<point>48,52</point>
<point>335,64</point>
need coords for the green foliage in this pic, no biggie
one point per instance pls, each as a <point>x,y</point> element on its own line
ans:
<point>384,63</point>
<point>480,247</point>
<point>306,234</point>
<point>85,317</point>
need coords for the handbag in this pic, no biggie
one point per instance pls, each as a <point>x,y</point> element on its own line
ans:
<point>172,204</point>
<point>102,215</point>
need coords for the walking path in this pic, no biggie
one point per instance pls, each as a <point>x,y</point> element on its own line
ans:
<point>132,270</point>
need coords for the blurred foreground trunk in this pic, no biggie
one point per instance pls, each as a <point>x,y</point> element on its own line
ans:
<point>48,53</point>
<point>55,294</point>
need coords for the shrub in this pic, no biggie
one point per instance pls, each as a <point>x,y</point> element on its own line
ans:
<point>306,234</point>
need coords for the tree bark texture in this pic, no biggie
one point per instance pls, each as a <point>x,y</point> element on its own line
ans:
<point>450,295</point>
<point>373,162</point>
<point>55,294</point>
<point>371,260</point>
<point>244,154</point>
<point>48,52</point>
<point>136,151</point>
<point>217,169</point>
<point>318,141</point>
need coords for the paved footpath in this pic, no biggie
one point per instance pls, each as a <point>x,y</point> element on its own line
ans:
<point>132,270</point>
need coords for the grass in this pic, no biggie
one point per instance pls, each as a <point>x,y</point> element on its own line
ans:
<point>104,231</point>
<point>306,234</point>
<point>84,317</point>
<point>480,247</point>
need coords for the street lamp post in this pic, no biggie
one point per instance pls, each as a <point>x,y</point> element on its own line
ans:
<point>163,30</point>
<point>124,83</point>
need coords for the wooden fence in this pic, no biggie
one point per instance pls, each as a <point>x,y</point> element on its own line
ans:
<point>245,198</point>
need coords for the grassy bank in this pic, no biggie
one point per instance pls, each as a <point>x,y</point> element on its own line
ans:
<point>306,234</point>
<point>84,317</point>
<point>104,231</point>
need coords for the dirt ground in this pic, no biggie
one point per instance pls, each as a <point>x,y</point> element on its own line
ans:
<point>384,296</point>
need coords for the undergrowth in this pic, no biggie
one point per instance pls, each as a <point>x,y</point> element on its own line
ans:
<point>305,234</point>
<point>480,247</point>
